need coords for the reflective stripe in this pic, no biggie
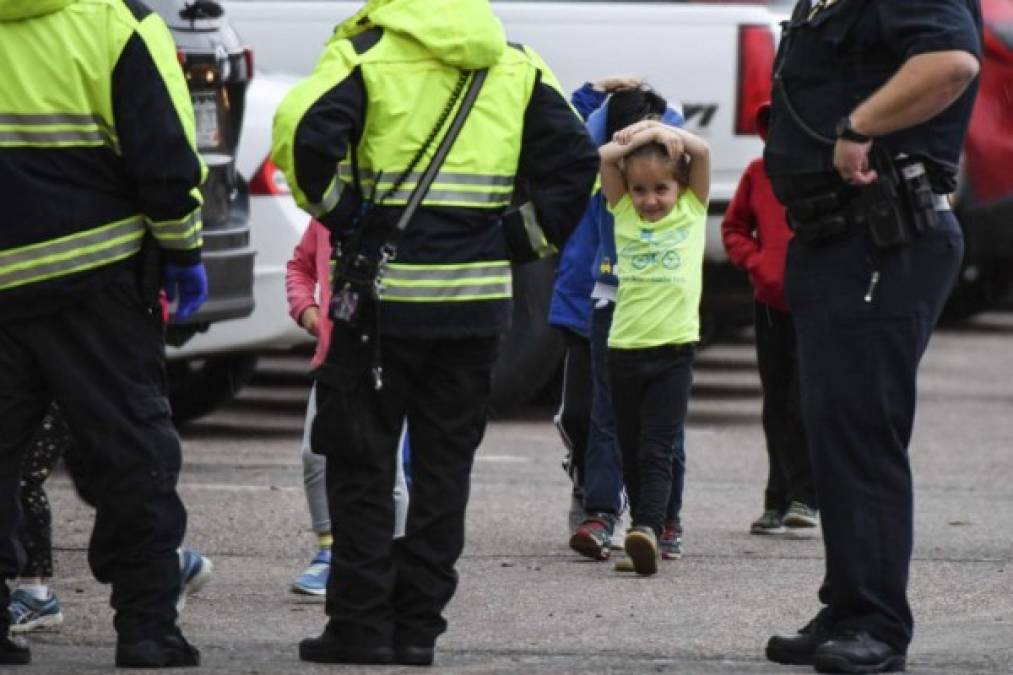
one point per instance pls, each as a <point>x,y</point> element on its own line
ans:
<point>435,283</point>
<point>70,254</point>
<point>329,200</point>
<point>44,129</point>
<point>428,274</point>
<point>498,291</point>
<point>178,234</point>
<point>456,196</point>
<point>51,137</point>
<point>452,178</point>
<point>536,235</point>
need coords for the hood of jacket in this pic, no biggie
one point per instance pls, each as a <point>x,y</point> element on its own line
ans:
<point>596,122</point>
<point>14,10</point>
<point>461,33</point>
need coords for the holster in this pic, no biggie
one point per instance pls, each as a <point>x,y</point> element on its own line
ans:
<point>894,209</point>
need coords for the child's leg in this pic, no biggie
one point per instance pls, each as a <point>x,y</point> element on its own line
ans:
<point>314,470</point>
<point>35,533</point>
<point>668,376</point>
<point>674,510</point>
<point>771,363</point>
<point>626,386</point>
<point>401,486</point>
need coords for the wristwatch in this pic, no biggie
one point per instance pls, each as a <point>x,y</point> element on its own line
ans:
<point>847,132</point>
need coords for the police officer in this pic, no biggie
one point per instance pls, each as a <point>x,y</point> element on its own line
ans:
<point>386,78</point>
<point>870,106</point>
<point>97,160</point>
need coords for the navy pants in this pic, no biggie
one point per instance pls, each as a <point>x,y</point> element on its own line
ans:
<point>101,361</point>
<point>858,361</point>
<point>603,481</point>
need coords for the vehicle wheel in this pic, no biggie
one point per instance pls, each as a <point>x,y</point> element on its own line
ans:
<point>531,352</point>
<point>198,386</point>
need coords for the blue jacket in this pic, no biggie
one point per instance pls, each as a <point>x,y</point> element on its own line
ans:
<point>590,252</point>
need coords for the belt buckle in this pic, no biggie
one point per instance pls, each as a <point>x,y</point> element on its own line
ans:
<point>941,202</point>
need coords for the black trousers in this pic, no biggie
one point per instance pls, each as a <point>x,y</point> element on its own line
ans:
<point>574,416</point>
<point>650,395</point>
<point>383,591</point>
<point>858,362</point>
<point>789,478</point>
<point>102,362</point>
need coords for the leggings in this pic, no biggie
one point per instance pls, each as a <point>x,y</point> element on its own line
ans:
<point>49,444</point>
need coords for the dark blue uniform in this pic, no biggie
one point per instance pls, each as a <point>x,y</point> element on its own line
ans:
<point>863,314</point>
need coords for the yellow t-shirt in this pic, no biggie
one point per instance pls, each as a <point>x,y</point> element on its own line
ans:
<point>660,270</point>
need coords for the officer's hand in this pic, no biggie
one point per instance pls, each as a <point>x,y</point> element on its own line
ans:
<point>851,160</point>
<point>617,83</point>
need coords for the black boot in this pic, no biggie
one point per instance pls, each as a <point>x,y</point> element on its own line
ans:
<point>14,650</point>
<point>328,648</point>
<point>170,651</point>
<point>857,652</point>
<point>798,649</point>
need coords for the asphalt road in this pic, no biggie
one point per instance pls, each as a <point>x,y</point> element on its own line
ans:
<point>526,604</point>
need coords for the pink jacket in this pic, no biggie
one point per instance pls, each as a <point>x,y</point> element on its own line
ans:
<point>308,270</point>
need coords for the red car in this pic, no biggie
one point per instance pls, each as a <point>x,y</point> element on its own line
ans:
<point>984,198</point>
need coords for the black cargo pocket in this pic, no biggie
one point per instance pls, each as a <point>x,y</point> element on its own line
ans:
<point>334,423</point>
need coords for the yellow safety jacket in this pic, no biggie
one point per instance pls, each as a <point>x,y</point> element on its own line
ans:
<point>380,87</point>
<point>97,145</point>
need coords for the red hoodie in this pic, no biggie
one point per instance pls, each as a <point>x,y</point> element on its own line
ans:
<point>309,271</point>
<point>755,231</point>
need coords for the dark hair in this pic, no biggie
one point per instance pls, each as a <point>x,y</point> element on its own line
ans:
<point>679,166</point>
<point>629,106</point>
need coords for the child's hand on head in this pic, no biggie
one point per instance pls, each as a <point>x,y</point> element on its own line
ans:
<point>618,83</point>
<point>625,136</point>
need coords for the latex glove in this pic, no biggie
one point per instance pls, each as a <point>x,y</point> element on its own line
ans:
<point>192,283</point>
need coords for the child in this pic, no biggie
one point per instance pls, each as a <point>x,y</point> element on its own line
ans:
<point>610,105</point>
<point>309,266</point>
<point>659,206</point>
<point>756,235</point>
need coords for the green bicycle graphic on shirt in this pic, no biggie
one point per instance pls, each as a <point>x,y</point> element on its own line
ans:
<point>653,249</point>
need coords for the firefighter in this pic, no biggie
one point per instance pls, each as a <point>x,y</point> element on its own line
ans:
<point>385,80</point>
<point>97,164</point>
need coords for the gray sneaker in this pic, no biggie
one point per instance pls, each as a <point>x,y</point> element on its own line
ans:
<point>799,515</point>
<point>769,523</point>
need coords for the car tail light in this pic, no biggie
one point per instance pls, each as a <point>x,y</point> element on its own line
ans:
<point>248,61</point>
<point>181,57</point>
<point>269,180</point>
<point>756,67</point>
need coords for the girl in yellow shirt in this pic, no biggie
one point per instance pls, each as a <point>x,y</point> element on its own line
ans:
<point>656,180</point>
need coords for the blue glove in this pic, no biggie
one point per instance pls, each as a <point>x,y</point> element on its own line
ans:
<point>192,282</point>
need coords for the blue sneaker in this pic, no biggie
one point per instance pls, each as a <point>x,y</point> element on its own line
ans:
<point>27,614</point>
<point>313,580</point>
<point>194,571</point>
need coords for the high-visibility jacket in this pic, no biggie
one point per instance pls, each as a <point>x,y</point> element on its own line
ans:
<point>378,91</point>
<point>97,148</point>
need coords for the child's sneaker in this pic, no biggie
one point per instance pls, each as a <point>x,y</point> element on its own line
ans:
<point>768,523</point>
<point>313,580</point>
<point>642,549</point>
<point>800,515</point>
<point>670,542</point>
<point>194,571</point>
<point>592,537</point>
<point>27,613</point>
